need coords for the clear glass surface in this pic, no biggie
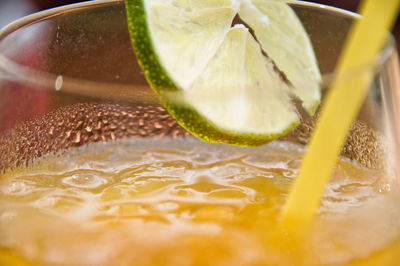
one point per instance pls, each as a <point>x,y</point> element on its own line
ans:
<point>95,171</point>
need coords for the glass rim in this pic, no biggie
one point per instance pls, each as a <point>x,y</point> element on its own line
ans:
<point>19,73</point>
<point>52,12</point>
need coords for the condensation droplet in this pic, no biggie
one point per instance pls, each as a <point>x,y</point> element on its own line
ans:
<point>58,83</point>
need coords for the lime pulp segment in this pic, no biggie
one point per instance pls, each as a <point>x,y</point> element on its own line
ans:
<point>225,88</point>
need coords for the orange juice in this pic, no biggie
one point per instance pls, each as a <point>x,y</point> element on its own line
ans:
<point>182,202</point>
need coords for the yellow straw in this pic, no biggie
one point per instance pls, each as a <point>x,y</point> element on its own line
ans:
<point>366,39</point>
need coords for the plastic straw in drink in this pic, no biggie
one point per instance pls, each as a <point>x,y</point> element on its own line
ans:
<point>366,39</point>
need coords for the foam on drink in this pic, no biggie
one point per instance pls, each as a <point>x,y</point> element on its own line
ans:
<point>180,201</point>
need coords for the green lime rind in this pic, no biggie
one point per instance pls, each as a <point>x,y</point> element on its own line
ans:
<point>160,81</point>
<point>203,129</point>
<point>144,49</point>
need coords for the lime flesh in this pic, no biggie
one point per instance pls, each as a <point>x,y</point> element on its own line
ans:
<point>214,77</point>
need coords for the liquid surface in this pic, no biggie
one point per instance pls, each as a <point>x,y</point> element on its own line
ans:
<point>183,202</point>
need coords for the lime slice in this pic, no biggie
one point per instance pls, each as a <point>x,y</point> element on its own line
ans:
<point>283,37</point>
<point>214,78</point>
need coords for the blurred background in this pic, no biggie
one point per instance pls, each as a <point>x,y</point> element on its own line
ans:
<point>13,9</point>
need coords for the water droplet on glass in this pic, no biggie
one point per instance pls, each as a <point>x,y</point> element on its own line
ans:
<point>58,83</point>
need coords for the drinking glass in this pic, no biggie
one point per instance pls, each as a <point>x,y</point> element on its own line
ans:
<point>95,171</point>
